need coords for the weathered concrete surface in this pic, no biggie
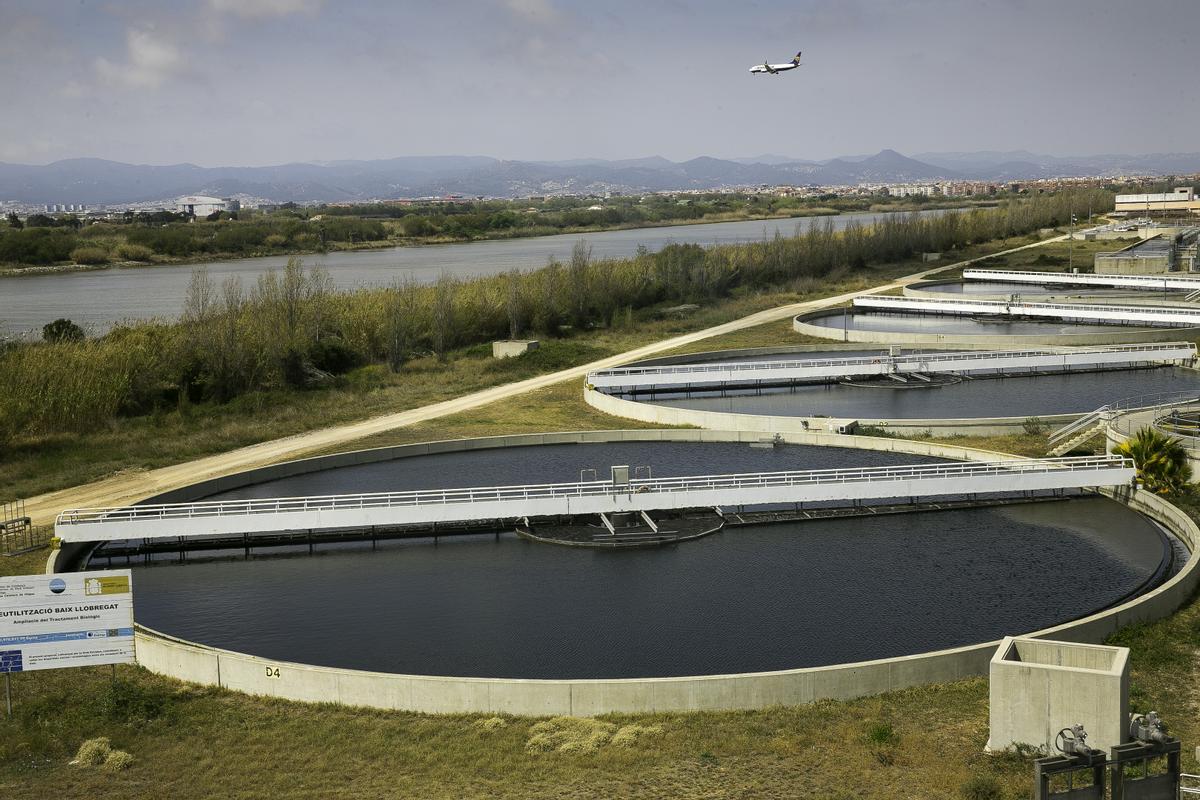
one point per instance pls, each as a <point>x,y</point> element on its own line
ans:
<point>1038,687</point>
<point>511,348</point>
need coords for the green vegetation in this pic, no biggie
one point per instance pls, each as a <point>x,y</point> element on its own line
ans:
<point>292,332</point>
<point>1161,460</point>
<point>42,240</point>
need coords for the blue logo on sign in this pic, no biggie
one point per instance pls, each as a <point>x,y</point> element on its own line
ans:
<point>58,586</point>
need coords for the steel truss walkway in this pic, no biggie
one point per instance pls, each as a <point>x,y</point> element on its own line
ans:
<point>241,517</point>
<point>649,378</point>
<point>1150,283</point>
<point>1158,316</point>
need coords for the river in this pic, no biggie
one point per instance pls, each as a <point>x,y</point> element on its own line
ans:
<point>98,299</point>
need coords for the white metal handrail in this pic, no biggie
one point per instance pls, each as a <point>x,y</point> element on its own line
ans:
<point>1003,306</point>
<point>1033,276</point>
<point>588,488</point>
<point>798,364</point>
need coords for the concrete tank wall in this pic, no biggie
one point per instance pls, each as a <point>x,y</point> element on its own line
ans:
<point>189,661</point>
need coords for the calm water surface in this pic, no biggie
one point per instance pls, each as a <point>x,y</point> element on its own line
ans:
<point>750,599</point>
<point>934,323</point>
<point>1022,396</point>
<point>98,299</point>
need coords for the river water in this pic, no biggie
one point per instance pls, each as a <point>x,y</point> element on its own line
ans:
<point>743,600</point>
<point>98,299</point>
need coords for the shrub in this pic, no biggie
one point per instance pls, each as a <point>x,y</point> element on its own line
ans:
<point>93,752</point>
<point>134,252</point>
<point>275,240</point>
<point>118,760</point>
<point>569,735</point>
<point>89,255</point>
<point>1035,426</point>
<point>333,355</point>
<point>630,735</point>
<point>882,733</point>
<point>131,701</point>
<point>62,330</point>
<point>982,787</point>
<point>490,724</point>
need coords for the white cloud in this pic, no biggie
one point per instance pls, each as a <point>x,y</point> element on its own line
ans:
<point>264,8</point>
<point>152,60</point>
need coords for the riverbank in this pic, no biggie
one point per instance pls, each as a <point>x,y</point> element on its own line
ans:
<point>14,270</point>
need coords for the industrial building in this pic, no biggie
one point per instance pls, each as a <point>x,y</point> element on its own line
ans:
<point>1173,251</point>
<point>202,206</point>
<point>1182,198</point>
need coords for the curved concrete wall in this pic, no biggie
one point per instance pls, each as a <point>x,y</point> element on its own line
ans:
<point>432,694</point>
<point>766,424</point>
<point>1119,335</point>
<point>1079,294</point>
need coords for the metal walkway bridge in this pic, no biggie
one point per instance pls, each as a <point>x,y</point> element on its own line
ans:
<point>1154,316</point>
<point>1150,283</point>
<point>393,509</point>
<point>691,376</point>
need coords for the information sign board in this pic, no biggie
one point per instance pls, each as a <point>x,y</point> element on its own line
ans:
<point>74,619</point>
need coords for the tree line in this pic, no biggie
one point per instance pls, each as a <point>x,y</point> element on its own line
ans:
<point>291,329</point>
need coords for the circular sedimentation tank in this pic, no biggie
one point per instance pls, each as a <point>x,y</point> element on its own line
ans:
<point>747,599</point>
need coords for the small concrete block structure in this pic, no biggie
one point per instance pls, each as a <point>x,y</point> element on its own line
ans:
<point>511,348</point>
<point>927,257</point>
<point>1038,687</point>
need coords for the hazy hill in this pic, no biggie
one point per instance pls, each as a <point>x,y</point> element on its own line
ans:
<point>97,182</point>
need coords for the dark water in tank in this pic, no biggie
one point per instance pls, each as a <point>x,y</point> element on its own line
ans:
<point>1031,289</point>
<point>744,600</point>
<point>933,323</point>
<point>982,397</point>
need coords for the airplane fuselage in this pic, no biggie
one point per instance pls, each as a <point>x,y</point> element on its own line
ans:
<point>774,69</point>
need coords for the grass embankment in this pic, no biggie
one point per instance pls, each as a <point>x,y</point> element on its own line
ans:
<point>1053,257</point>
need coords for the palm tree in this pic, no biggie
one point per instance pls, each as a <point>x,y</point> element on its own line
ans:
<point>1161,461</point>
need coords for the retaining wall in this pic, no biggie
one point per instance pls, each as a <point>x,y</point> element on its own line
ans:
<point>432,694</point>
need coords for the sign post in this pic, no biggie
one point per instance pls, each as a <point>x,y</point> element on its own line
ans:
<point>74,619</point>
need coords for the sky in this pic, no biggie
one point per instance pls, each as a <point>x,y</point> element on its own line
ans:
<point>256,82</point>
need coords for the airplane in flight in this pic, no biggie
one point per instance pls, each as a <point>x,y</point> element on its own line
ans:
<point>775,69</point>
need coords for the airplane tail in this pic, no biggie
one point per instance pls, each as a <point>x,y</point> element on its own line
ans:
<point>796,60</point>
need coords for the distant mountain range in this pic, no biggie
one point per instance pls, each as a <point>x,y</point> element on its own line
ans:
<point>98,182</point>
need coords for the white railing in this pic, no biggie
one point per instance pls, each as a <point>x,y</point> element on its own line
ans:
<point>930,358</point>
<point>1103,312</point>
<point>1150,282</point>
<point>640,487</point>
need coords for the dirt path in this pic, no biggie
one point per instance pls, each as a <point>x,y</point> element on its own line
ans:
<point>129,486</point>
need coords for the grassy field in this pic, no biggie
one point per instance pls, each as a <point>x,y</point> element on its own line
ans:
<point>1053,257</point>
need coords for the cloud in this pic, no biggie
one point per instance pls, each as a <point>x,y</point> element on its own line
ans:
<point>152,60</point>
<point>264,8</point>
